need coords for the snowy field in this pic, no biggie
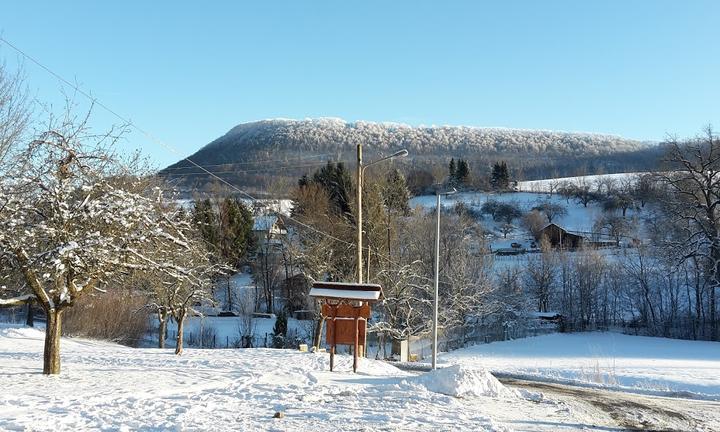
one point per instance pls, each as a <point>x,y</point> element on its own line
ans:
<point>592,180</point>
<point>637,363</point>
<point>578,218</point>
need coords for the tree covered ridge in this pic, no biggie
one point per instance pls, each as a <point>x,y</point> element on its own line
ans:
<point>335,134</point>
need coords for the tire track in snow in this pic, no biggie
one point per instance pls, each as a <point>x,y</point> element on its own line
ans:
<point>636,412</point>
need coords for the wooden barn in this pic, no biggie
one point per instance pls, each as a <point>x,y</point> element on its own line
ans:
<point>561,238</point>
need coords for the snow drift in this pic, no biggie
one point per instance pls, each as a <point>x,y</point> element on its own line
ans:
<point>464,381</point>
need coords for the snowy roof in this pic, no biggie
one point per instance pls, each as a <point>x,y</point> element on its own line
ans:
<point>344,290</point>
<point>264,223</point>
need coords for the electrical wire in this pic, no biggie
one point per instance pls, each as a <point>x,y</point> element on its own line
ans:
<point>155,139</point>
<point>251,162</point>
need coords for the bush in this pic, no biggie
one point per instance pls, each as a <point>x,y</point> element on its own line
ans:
<point>279,331</point>
<point>113,316</point>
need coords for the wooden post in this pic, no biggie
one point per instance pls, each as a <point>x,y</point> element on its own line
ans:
<point>334,338</point>
<point>357,336</point>
<point>365,347</point>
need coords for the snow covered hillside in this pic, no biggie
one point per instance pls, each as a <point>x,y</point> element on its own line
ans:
<point>578,218</point>
<point>336,134</point>
<point>646,364</point>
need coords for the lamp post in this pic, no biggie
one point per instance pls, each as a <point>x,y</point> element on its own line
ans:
<point>360,173</point>
<point>438,194</point>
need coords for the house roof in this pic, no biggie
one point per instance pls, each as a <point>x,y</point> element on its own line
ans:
<point>566,231</point>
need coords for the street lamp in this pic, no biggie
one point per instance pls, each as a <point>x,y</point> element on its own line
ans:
<point>360,173</point>
<point>438,194</point>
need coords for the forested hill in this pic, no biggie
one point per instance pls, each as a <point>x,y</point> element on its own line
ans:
<point>249,148</point>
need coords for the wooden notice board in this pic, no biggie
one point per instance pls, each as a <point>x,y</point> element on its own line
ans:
<point>344,331</point>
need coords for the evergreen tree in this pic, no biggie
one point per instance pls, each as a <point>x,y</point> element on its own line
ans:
<point>236,224</point>
<point>280,330</point>
<point>500,176</point>
<point>226,228</point>
<point>303,181</point>
<point>336,180</point>
<point>206,219</point>
<point>462,173</point>
<point>396,194</point>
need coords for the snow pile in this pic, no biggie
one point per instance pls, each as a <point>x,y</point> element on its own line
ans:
<point>464,381</point>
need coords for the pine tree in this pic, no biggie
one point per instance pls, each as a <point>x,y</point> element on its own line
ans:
<point>396,194</point>
<point>500,177</point>
<point>280,330</point>
<point>336,180</point>
<point>206,219</point>
<point>236,225</point>
<point>462,173</point>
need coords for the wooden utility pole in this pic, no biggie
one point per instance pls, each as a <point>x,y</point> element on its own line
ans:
<point>359,214</point>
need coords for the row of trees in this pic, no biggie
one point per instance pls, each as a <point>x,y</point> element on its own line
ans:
<point>665,287</point>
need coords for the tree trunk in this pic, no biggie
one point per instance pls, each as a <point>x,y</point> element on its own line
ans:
<point>29,319</point>
<point>713,316</point>
<point>179,339</point>
<point>317,336</point>
<point>162,332</point>
<point>229,295</point>
<point>51,354</point>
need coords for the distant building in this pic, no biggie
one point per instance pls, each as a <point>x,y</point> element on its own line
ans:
<point>268,230</point>
<point>561,238</point>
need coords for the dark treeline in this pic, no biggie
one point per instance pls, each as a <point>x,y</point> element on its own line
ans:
<point>278,177</point>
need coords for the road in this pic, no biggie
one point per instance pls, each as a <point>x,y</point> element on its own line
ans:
<point>615,411</point>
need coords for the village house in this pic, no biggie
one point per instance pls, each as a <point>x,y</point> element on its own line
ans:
<point>268,230</point>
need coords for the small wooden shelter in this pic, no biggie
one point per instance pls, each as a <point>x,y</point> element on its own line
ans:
<point>561,238</point>
<point>346,308</point>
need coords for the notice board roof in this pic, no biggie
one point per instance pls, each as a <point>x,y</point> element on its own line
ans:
<point>346,290</point>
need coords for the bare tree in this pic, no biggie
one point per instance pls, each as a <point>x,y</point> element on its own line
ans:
<point>73,218</point>
<point>693,200</point>
<point>551,210</point>
<point>540,276</point>
<point>14,112</point>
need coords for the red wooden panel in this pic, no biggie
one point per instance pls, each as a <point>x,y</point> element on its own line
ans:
<point>344,310</point>
<point>345,330</point>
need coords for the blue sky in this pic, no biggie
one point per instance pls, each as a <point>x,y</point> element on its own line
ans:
<point>189,71</point>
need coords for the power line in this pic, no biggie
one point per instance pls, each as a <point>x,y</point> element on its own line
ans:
<point>152,138</point>
<point>274,168</point>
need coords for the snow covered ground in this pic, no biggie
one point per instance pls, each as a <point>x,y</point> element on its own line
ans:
<point>545,184</point>
<point>578,218</point>
<point>612,360</point>
<point>104,386</point>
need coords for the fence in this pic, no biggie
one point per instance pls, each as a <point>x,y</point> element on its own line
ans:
<point>210,339</point>
<point>421,347</point>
